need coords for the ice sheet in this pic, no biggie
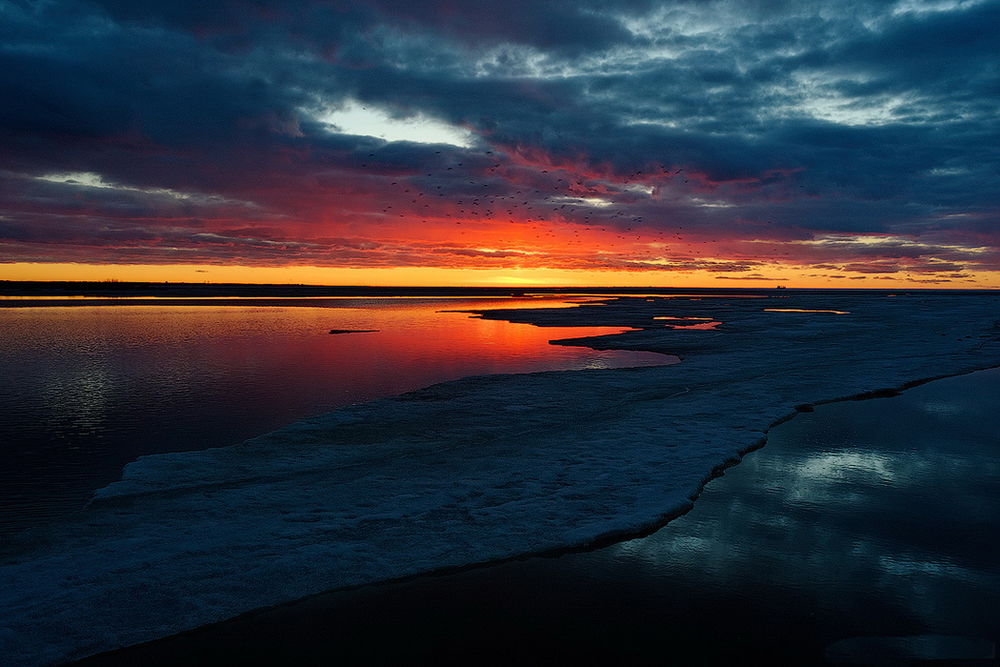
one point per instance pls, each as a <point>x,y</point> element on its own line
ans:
<point>465,472</point>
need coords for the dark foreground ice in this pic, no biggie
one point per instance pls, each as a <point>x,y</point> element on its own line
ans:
<point>471,471</point>
<point>864,533</point>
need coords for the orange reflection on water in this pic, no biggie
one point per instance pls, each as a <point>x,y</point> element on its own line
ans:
<point>284,358</point>
<point>94,387</point>
<point>805,310</point>
<point>701,326</point>
<point>701,323</point>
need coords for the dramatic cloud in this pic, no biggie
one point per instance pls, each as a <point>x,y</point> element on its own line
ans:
<point>732,137</point>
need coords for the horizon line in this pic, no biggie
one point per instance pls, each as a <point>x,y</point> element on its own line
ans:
<point>494,288</point>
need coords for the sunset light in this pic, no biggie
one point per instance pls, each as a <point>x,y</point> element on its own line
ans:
<point>397,145</point>
<point>432,332</point>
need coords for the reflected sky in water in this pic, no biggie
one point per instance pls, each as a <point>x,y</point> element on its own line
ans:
<point>86,389</point>
<point>869,517</point>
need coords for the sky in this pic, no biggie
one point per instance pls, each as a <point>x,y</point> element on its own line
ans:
<point>714,143</point>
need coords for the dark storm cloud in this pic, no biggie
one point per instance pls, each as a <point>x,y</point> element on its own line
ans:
<point>741,121</point>
<point>564,25</point>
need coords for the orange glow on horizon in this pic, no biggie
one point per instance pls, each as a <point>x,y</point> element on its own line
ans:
<point>455,246</point>
<point>788,276</point>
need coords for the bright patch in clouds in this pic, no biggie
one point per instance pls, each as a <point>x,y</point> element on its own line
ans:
<point>710,203</point>
<point>370,121</point>
<point>83,178</point>
<point>596,202</point>
<point>928,6</point>
<point>89,179</point>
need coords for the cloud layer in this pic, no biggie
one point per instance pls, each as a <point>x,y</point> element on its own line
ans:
<point>857,140</point>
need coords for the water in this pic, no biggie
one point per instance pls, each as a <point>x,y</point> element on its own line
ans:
<point>865,531</point>
<point>86,389</point>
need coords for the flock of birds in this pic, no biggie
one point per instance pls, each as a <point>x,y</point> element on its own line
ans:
<point>586,205</point>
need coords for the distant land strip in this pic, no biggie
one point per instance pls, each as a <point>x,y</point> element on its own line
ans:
<point>115,289</point>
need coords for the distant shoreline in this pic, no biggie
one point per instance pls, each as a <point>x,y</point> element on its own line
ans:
<point>114,289</point>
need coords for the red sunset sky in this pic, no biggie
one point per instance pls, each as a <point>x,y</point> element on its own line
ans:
<point>442,143</point>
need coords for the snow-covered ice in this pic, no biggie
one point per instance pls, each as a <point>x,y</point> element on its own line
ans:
<point>471,471</point>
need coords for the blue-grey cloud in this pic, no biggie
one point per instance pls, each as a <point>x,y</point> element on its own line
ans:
<point>717,122</point>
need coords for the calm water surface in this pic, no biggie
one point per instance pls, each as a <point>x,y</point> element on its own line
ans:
<point>866,532</point>
<point>86,389</point>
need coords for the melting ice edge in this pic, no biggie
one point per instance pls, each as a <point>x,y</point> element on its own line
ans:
<point>471,471</point>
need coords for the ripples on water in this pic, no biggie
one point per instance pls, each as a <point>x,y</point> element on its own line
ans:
<point>86,389</point>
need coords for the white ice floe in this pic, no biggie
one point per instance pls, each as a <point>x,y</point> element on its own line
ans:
<point>470,471</point>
